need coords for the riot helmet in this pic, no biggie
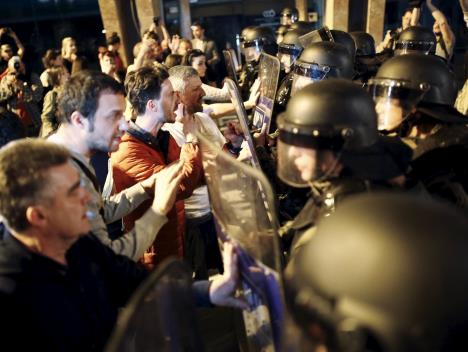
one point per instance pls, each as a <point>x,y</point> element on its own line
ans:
<point>280,32</point>
<point>346,40</point>
<point>303,27</point>
<point>384,272</point>
<point>256,39</point>
<point>289,49</point>
<point>364,43</point>
<point>408,81</point>
<point>320,122</point>
<point>416,39</point>
<point>288,16</point>
<point>321,60</point>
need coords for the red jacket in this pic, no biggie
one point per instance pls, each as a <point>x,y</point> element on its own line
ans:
<point>135,161</point>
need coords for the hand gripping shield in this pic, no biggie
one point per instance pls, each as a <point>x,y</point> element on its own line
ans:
<point>268,75</point>
<point>161,314</point>
<point>243,206</point>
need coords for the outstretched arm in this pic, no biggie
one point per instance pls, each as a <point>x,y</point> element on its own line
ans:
<point>447,34</point>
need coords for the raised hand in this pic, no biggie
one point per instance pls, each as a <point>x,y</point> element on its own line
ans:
<point>166,186</point>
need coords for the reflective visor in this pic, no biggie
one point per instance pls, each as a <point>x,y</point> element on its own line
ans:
<point>252,50</point>
<point>287,55</point>
<point>406,47</point>
<point>252,43</point>
<point>314,71</point>
<point>394,100</point>
<point>320,35</point>
<point>305,74</point>
<point>291,50</point>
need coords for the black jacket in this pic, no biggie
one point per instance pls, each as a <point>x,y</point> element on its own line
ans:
<point>46,306</point>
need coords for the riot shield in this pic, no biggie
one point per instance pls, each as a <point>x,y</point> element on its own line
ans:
<point>230,65</point>
<point>319,35</point>
<point>243,205</point>
<point>161,314</point>
<point>236,100</point>
<point>268,75</point>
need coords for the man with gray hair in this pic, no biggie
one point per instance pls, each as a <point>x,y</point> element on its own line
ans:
<point>201,246</point>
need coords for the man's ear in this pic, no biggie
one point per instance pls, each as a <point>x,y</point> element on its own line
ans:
<point>36,216</point>
<point>178,96</point>
<point>151,105</point>
<point>77,119</point>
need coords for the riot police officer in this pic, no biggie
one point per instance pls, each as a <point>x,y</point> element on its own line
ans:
<point>254,41</point>
<point>288,16</point>
<point>328,141</point>
<point>345,39</point>
<point>414,96</point>
<point>366,61</point>
<point>321,60</point>
<point>385,272</point>
<point>416,39</point>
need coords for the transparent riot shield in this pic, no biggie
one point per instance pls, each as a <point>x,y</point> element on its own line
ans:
<point>161,314</point>
<point>230,65</point>
<point>248,143</point>
<point>319,35</point>
<point>268,74</point>
<point>243,205</point>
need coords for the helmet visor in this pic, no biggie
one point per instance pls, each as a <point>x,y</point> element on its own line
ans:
<point>305,74</point>
<point>287,55</point>
<point>252,50</point>
<point>305,158</point>
<point>411,47</point>
<point>394,101</point>
<point>319,35</point>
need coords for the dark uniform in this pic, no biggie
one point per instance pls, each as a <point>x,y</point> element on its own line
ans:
<point>423,89</point>
<point>385,272</point>
<point>347,129</point>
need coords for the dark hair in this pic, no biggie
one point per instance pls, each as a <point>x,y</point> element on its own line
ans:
<point>113,39</point>
<point>144,84</point>
<point>23,177</point>
<point>173,60</point>
<point>55,74</point>
<point>81,93</point>
<point>151,35</point>
<point>49,56</point>
<point>197,24</point>
<point>11,127</point>
<point>192,54</point>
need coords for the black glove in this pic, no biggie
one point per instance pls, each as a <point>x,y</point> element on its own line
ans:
<point>415,3</point>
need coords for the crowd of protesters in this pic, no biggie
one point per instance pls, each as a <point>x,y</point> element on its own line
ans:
<point>144,121</point>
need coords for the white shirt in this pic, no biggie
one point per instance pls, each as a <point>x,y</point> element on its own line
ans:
<point>198,204</point>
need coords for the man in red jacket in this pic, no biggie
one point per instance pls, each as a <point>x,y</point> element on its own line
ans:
<point>145,149</point>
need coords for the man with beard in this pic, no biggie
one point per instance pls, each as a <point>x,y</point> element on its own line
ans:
<point>146,150</point>
<point>91,107</point>
<point>60,288</point>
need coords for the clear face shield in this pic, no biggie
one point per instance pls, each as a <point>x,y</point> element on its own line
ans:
<point>411,47</point>
<point>305,74</point>
<point>306,158</point>
<point>394,101</point>
<point>287,55</point>
<point>252,50</point>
